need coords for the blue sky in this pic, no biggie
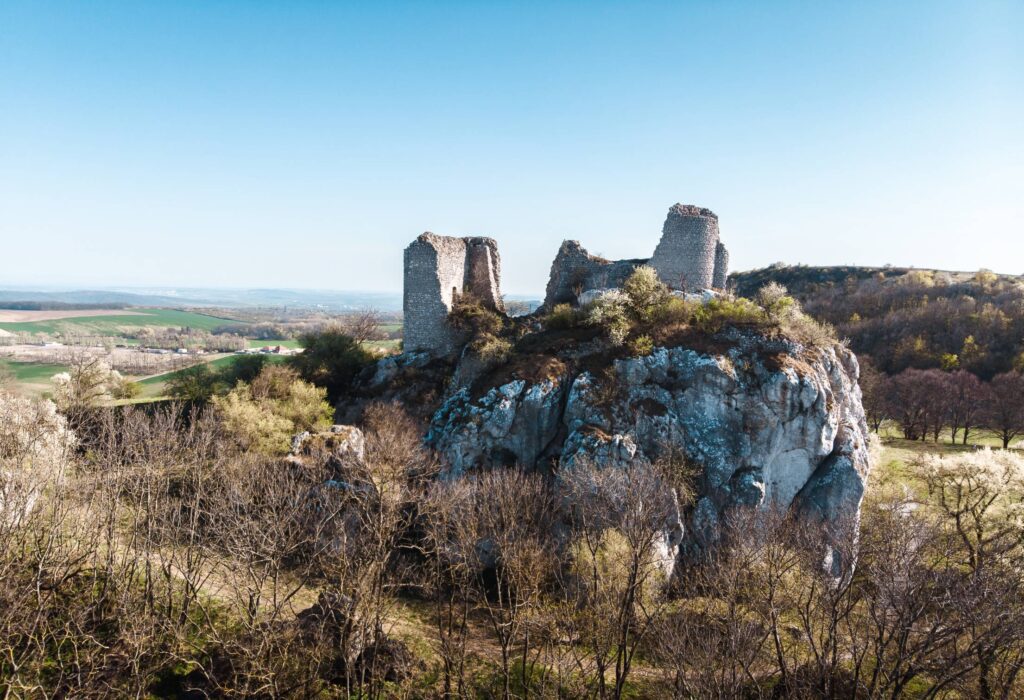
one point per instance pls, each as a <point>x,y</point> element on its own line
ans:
<point>304,144</point>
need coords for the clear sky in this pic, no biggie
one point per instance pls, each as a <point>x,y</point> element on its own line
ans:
<point>304,144</point>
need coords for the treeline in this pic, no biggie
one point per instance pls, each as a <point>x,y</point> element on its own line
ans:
<point>152,554</point>
<point>147,336</point>
<point>927,403</point>
<point>916,319</point>
<point>366,325</point>
<point>191,339</point>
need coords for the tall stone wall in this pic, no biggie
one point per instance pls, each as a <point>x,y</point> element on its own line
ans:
<point>438,269</point>
<point>483,272</point>
<point>685,256</point>
<point>575,271</point>
<point>434,271</point>
<point>721,267</point>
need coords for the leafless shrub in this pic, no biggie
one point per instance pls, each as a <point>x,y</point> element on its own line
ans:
<point>619,523</point>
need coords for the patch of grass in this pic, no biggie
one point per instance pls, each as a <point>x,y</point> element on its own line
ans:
<point>120,323</point>
<point>33,378</point>
<point>386,345</point>
<point>33,371</point>
<point>284,343</point>
<point>894,470</point>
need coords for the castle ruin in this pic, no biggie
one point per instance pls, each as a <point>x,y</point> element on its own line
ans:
<point>688,258</point>
<point>438,269</point>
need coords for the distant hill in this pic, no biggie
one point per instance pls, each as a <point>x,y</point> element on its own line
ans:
<point>327,300</point>
<point>904,317</point>
<point>55,306</point>
<point>85,298</point>
<point>803,279</point>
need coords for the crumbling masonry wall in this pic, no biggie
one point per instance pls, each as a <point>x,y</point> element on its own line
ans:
<point>686,255</point>
<point>688,258</point>
<point>575,271</point>
<point>438,269</point>
<point>721,267</point>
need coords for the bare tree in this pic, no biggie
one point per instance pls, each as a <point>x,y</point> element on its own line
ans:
<point>362,326</point>
<point>516,517</point>
<point>979,496</point>
<point>715,641</point>
<point>1004,413</point>
<point>873,385</point>
<point>966,398</point>
<point>917,402</point>
<point>620,520</point>
<point>450,540</point>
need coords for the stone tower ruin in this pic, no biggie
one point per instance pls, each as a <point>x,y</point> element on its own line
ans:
<point>686,256</point>
<point>689,258</point>
<point>439,269</point>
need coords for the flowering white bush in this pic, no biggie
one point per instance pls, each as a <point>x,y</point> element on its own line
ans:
<point>609,312</point>
<point>982,492</point>
<point>35,444</point>
<point>89,382</point>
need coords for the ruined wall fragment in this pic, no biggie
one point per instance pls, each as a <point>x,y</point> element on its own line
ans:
<point>483,272</point>
<point>721,280</point>
<point>439,269</point>
<point>575,271</point>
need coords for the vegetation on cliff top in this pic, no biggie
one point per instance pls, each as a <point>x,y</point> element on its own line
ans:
<point>634,320</point>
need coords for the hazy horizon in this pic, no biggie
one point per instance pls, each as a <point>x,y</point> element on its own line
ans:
<point>303,145</point>
<point>170,289</point>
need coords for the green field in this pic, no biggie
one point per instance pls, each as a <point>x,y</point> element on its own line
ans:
<point>155,387</point>
<point>289,343</point>
<point>387,345</point>
<point>33,378</point>
<point>120,323</point>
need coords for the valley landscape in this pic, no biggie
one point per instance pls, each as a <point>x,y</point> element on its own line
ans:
<point>401,350</point>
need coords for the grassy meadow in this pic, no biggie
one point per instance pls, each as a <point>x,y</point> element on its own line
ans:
<point>33,378</point>
<point>117,324</point>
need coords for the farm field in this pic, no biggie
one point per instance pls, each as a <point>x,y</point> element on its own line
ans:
<point>33,378</point>
<point>29,316</point>
<point>115,323</point>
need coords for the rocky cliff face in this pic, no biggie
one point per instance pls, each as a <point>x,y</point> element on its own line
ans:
<point>765,422</point>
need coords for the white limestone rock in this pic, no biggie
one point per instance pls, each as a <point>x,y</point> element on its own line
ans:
<point>768,424</point>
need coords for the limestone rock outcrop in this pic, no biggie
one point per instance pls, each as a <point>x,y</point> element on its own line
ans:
<point>330,449</point>
<point>767,424</point>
